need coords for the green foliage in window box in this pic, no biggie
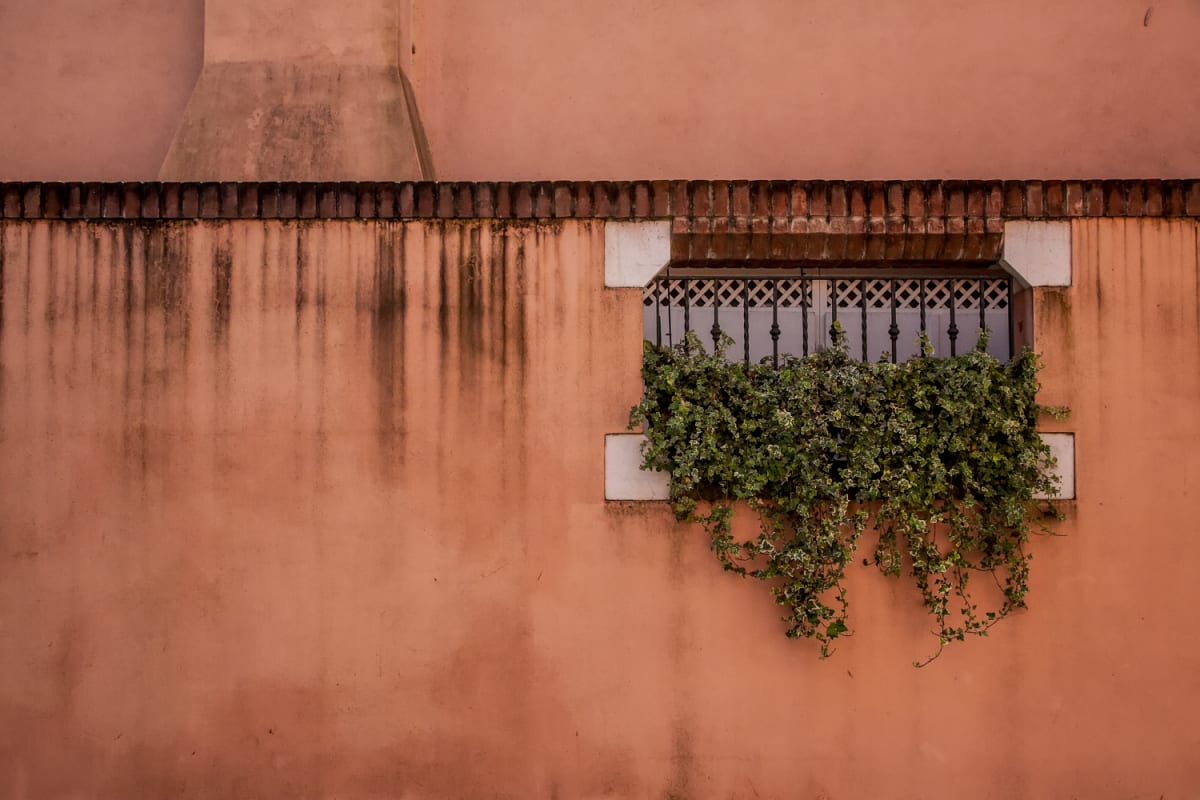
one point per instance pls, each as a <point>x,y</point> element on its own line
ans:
<point>941,456</point>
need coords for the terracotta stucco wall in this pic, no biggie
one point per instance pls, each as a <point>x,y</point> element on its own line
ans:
<point>671,89</point>
<point>787,88</point>
<point>94,88</point>
<point>314,509</point>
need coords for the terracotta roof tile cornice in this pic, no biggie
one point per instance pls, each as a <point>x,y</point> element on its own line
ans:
<point>876,203</point>
<point>713,220</point>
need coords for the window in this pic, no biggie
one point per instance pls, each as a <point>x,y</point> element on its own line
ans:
<point>772,314</point>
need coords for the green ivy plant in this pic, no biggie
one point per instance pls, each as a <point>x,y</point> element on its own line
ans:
<point>940,456</point>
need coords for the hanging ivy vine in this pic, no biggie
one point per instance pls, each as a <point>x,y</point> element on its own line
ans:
<point>940,456</point>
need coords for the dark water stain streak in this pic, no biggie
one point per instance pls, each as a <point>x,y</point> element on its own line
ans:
<point>387,325</point>
<point>3,251</point>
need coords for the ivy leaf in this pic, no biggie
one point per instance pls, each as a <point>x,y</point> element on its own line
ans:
<point>940,455</point>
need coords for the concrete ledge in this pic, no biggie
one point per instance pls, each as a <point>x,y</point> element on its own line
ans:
<point>624,478</point>
<point>1062,447</point>
<point>1038,253</point>
<point>634,252</point>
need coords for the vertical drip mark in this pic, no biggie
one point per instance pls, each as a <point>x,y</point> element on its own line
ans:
<point>500,241</point>
<point>267,267</point>
<point>3,247</point>
<point>176,268</point>
<point>322,338</point>
<point>401,310</point>
<point>443,307</point>
<point>498,294</point>
<point>151,295</point>
<point>93,258</point>
<point>470,309</point>
<point>298,342</point>
<point>27,283</point>
<point>123,251</point>
<point>500,286</point>
<point>50,315</point>
<point>72,369</point>
<point>385,319</point>
<point>519,297</point>
<point>222,290</point>
<point>443,333</point>
<point>300,295</point>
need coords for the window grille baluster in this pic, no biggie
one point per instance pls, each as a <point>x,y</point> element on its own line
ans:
<point>670,317</point>
<point>982,306</point>
<point>952,331</point>
<point>805,285</point>
<point>862,298</point>
<point>687,309</point>
<point>658,312</point>
<point>893,329</point>
<point>922,302</point>
<point>1012,341</point>
<point>746,320</point>
<point>775,323</point>
<point>834,301</point>
<point>716,326</point>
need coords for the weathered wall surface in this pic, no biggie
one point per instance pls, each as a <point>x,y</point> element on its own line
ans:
<point>94,88</point>
<point>313,509</point>
<point>780,88</point>
<point>300,89</point>
<point>674,89</point>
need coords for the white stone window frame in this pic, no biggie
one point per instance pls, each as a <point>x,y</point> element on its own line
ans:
<point>1036,253</point>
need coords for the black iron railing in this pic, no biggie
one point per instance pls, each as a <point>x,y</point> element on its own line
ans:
<point>881,314</point>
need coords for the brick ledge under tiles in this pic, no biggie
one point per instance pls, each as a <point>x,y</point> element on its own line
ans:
<point>712,220</point>
<point>882,205</point>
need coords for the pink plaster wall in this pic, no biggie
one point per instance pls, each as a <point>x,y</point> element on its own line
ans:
<point>94,89</point>
<point>669,89</point>
<point>315,510</point>
<point>788,88</point>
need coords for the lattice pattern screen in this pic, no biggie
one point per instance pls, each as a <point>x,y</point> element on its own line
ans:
<point>797,292</point>
<point>730,292</point>
<point>908,293</point>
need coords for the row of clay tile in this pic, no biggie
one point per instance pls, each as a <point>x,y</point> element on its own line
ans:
<point>834,247</point>
<point>705,207</point>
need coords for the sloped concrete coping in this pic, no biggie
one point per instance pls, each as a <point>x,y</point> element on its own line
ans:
<point>634,252</point>
<point>1038,253</point>
<point>1062,447</point>
<point>624,478</point>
